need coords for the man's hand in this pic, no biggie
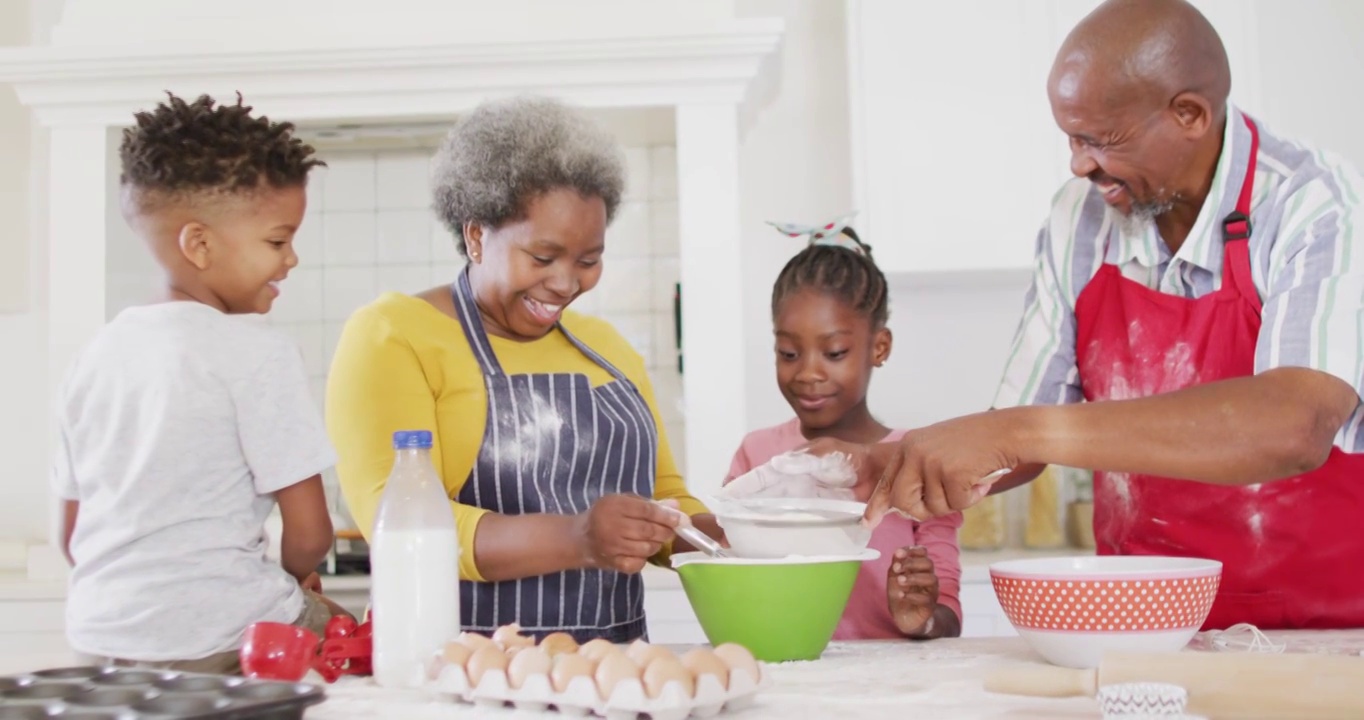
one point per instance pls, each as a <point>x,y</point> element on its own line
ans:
<point>943,468</point>
<point>621,532</point>
<point>868,461</point>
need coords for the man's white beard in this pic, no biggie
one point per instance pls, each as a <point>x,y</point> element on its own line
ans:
<point>1145,213</point>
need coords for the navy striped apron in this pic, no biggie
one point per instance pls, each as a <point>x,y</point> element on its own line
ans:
<point>555,444</point>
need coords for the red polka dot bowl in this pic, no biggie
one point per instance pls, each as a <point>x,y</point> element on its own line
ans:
<point>1072,610</point>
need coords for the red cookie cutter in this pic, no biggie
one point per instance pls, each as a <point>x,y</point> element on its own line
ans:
<point>347,649</point>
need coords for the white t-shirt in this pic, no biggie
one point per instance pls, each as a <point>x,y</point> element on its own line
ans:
<point>177,424</point>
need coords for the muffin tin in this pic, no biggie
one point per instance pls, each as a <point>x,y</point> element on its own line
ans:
<point>94,693</point>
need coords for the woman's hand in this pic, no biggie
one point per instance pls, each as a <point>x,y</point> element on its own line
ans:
<point>621,532</point>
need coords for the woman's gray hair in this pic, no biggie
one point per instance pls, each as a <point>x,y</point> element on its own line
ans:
<point>505,153</point>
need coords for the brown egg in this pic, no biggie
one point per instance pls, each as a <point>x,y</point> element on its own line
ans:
<point>666,669</point>
<point>737,657</point>
<point>487,659</point>
<point>598,649</point>
<point>526,664</point>
<point>643,653</point>
<point>509,636</point>
<point>456,653</point>
<point>558,644</point>
<point>473,641</point>
<point>613,669</point>
<point>701,661</point>
<point>568,666</point>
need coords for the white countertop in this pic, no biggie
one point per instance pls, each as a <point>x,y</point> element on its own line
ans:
<point>937,679</point>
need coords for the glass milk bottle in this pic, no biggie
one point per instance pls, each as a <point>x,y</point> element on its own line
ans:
<point>414,566</point>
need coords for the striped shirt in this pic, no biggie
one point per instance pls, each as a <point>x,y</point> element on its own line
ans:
<point>1310,277</point>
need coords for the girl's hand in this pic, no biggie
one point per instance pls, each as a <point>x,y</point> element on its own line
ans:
<point>912,590</point>
<point>621,532</point>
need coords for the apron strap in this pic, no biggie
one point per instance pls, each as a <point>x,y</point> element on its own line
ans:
<point>1236,227</point>
<point>472,324</point>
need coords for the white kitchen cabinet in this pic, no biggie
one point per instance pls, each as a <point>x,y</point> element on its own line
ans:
<point>981,613</point>
<point>955,153</point>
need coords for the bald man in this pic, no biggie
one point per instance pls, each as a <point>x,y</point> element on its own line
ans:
<point>1200,286</point>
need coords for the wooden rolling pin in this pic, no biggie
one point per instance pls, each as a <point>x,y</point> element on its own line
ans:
<point>1295,686</point>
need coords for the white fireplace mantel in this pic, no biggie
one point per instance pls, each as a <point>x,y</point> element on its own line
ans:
<point>711,71</point>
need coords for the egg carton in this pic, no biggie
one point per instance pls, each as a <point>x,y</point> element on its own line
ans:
<point>580,698</point>
<point>107,693</point>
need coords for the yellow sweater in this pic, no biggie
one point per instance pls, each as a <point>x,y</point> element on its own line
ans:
<point>401,364</point>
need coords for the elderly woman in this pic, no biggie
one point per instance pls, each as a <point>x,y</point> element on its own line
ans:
<point>545,428</point>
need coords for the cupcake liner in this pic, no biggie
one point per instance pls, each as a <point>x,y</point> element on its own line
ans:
<point>1142,700</point>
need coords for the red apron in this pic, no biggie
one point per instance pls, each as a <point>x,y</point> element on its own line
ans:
<point>1292,550</point>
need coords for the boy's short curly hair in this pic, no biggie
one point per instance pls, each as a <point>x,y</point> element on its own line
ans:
<point>506,153</point>
<point>185,148</point>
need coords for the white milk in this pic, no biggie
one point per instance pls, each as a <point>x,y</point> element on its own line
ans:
<point>415,594</point>
<point>414,566</point>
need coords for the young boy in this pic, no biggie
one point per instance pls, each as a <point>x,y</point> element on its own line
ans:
<point>182,423</point>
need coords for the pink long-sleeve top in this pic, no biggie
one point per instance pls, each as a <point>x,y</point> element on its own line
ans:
<point>867,615</point>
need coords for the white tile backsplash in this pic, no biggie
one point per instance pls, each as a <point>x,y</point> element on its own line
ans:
<point>667,273</point>
<point>637,329</point>
<point>664,229</point>
<point>629,234</point>
<point>637,177</point>
<point>349,238</point>
<point>349,183</point>
<point>665,343</point>
<point>404,237</point>
<point>443,244</point>
<point>345,289</point>
<point>677,443</point>
<point>406,279</point>
<point>308,241</point>
<point>626,285</point>
<point>300,297</point>
<point>589,303</point>
<point>445,273</point>
<point>402,181</point>
<point>331,335</point>
<point>309,337</point>
<point>667,389</point>
<point>663,173</point>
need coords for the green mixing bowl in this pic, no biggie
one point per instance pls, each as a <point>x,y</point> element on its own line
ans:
<point>780,609</point>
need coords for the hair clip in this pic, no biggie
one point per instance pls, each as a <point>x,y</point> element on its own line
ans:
<point>830,233</point>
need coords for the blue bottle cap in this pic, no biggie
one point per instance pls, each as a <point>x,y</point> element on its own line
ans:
<point>409,439</point>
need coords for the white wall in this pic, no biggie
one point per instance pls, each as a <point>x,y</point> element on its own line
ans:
<point>23,362</point>
<point>794,165</point>
<point>1312,72</point>
<point>950,338</point>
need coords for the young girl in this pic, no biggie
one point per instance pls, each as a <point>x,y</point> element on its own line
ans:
<point>829,312</point>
